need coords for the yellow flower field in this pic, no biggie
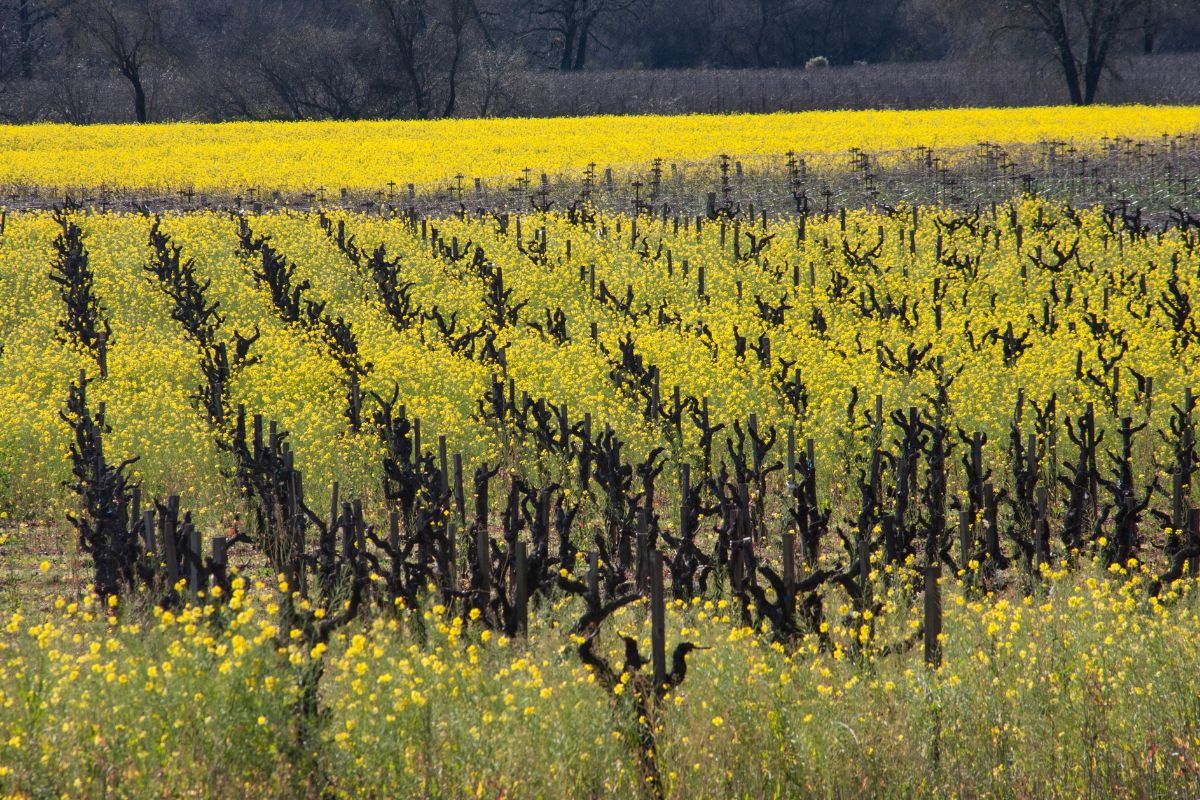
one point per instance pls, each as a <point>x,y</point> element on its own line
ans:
<point>976,576</point>
<point>305,156</point>
<point>153,373</point>
<point>1080,689</point>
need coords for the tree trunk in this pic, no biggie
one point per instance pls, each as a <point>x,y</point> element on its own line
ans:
<point>1093,70</point>
<point>764,16</point>
<point>1106,29</point>
<point>418,90</point>
<point>139,98</point>
<point>568,52</point>
<point>581,50</point>
<point>1066,56</point>
<point>1071,73</point>
<point>405,32</point>
<point>452,78</point>
<point>133,73</point>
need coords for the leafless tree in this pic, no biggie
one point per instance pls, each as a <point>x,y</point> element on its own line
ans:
<point>79,60</point>
<point>573,24</point>
<point>493,80</point>
<point>1161,16</point>
<point>428,40</point>
<point>458,15</point>
<point>25,35</point>
<point>126,33</point>
<point>404,23</point>
<point>32,17</point>
<point>1083,35</point>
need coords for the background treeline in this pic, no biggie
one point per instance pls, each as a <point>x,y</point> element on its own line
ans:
<point>101,60</point>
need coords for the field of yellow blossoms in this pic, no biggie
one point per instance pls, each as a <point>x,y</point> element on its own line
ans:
<point>999,395</point>
<point>153,373</point>
<point>229,157</point>
<point>1082,688</point>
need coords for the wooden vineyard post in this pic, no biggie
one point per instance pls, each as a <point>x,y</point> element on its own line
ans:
<point>564,425</point>
<point>593,576</point>
<point>220,559</point>
<point>1091,450</point>
<point>933,613</point>
<point>585,464</point>
<point>752,429</point>
<point>521,590</point>
<point>640,555</point>
<point>394,530</point>
<point>334,505</point>
<point>1193,540</point>
<point>256,453</point>
<point>677,412</point>
<point>483,563</point>
<point>355,403</point>
<point>347,526</point>
<point>810,555</point>
<point>685,483</point>
<point>658,634</point>
<point>737,560</point>
<point>1041,531</point>
<point>652,409</point>
<point>992,523</point>
<point>890,546</point>
<point>964,543</point>
<point>976,499</point>
<point>296,557</point>
<point>191,539</point>
<point>102,353</point>
<point>444,464</point>
<point>864,568</point>
<point>481,499</point>
<point>789,575</point>
<point>360,528</point>
<point>459,496</point>
<point>148,537</point>
<point>135,505</point>
<point>791,454</point>
<point>1177,501</point>
<point>169,541</point>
